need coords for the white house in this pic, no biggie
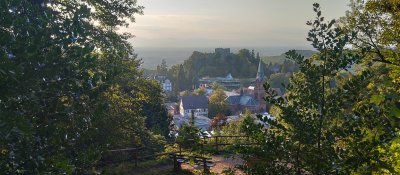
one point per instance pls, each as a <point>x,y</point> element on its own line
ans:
<point>165,83</point>
<point>196,104</point>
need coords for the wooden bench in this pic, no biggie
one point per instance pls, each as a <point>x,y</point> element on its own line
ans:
<point>199,160</point>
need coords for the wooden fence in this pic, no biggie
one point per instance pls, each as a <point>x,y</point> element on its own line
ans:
<point>136,154</point>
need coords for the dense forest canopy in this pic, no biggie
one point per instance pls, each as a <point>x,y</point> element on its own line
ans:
<point>70,87</point>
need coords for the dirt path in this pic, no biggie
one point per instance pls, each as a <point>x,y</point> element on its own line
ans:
<point>221,163</point>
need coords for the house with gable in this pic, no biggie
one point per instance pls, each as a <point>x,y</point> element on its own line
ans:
<point>197,104</point>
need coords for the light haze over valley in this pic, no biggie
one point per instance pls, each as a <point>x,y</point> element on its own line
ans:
<point>173,29</point>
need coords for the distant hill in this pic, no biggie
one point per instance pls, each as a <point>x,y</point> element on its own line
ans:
<point>281,58</point>
<point>241,65</point>
<point>151,57</point>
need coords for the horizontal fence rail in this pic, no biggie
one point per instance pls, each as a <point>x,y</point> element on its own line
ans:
<point>137,154</point>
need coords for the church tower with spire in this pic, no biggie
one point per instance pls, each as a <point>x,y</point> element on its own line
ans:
<point>259,91</point>
<point>260,71</point>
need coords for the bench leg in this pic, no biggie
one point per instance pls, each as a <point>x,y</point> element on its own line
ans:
<point>177,165</point>
<point>205,168</point>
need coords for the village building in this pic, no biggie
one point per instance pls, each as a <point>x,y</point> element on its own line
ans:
<point>228,82</point>
<point>242,102</point>
<point>198,105</point>
<point>201,122</point>
<point>252,98</point>
<point>165,83</point>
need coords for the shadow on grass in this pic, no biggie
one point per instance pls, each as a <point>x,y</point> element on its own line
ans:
<point>151,167</point>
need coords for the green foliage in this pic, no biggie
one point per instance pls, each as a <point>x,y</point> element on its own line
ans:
<point>236,128</point>
<point>241,65</point>
<point>200,91</point>
<point>188,137</point>
<point>233,128</point>
<point>153,108</point>
<point>215,86</point>
<point>276,80</point>
<point>162,69</point>
<point>184,76</point>
<point>324,129</point>
<point>218,104</point>
<point>70,86</point>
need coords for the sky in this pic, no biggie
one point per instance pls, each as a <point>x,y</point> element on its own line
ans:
<point>227,23</point>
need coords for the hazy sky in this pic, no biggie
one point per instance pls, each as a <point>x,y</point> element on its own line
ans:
<point>228,23</point>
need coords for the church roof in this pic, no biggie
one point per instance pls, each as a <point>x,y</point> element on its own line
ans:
<point>260,72</point>
<point>244,100</point>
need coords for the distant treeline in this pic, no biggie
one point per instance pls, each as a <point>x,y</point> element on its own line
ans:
<point>242,65</point>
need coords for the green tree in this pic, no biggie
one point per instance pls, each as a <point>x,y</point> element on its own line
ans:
<point>162,69</point>
<point>180,79</point>
<point>153,108</point>
<point>69,85</point>
<point>323,129</point>
<point>188,135</point>
<point>277,79</point>
<point>215,86</point>
<point>237,127</point>
<point>218,104</point>
<point>200,91</point>
<point>376,24</point>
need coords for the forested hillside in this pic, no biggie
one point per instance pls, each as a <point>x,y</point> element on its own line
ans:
<point>240,65</point>
<point>281,58</point>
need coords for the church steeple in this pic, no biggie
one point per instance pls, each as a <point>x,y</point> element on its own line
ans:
<point>260,72</point>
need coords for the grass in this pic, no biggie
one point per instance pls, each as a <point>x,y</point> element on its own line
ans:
<point>158,167</point>
<point>171,172</point>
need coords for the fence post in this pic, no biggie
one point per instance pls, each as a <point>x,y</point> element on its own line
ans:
<point>216,143</point>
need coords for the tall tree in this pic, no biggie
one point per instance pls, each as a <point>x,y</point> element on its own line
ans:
<point>376,23</point>
<point>162,69</point>
<point>324,129</point>
<point>153,108</point>
<point>180,79</point>
<point>66,74</point>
